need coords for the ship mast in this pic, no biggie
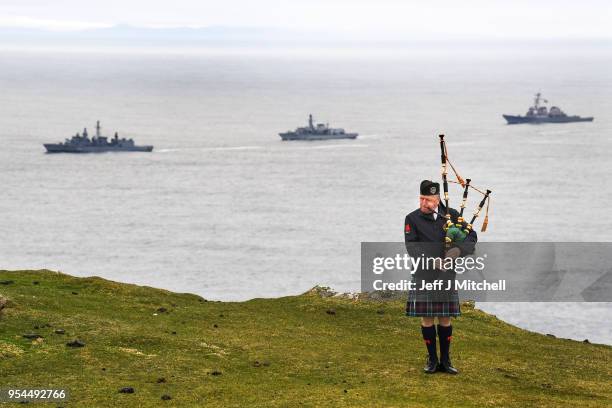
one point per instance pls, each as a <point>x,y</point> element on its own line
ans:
<point>536,102</point>
<point>97,129</point>
<point>310,121</point>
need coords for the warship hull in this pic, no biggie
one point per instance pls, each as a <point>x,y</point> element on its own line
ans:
<point>294,136</point>
<point>63,148</point>
<point>516,120</point>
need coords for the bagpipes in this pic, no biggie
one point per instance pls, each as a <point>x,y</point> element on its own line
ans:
<point>457,232</point>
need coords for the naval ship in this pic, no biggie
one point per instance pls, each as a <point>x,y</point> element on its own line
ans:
<point>538,113</point>
<point>98,143</point>
<point>319,132</point>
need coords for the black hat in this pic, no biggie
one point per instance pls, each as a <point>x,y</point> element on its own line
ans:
<point>428,187</point>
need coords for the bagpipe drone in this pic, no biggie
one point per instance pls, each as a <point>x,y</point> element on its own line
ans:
<point>457,232</point>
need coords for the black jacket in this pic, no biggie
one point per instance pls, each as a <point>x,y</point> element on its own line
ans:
<point>425,236</point>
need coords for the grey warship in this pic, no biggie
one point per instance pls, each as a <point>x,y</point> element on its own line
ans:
<point>539,113</point>
<point>97,144</point>
<point>319,132</point>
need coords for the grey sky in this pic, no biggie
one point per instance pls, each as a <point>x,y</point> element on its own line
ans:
<point>375,18</point>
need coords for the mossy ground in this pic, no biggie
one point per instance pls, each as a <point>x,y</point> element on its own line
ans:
<point>285,352</point>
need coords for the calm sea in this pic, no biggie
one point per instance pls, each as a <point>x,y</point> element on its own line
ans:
<point>224,209</point>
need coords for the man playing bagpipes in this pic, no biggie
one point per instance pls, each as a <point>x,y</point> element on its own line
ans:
<point>436,231</point>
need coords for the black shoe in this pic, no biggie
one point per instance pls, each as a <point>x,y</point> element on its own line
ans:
<point>431,366</point>
<point>447,367</point>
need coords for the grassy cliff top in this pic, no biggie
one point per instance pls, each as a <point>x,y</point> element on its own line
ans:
<point>305,350</point>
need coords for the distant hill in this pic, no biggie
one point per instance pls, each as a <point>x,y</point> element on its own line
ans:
<point>220,36</point>
<point>122,34</point>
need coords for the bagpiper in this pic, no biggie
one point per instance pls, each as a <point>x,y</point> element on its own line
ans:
<point>436,231</point>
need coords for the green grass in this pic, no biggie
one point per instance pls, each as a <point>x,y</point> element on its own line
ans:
<point>285,352</point>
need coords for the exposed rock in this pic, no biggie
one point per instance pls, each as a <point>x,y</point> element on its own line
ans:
<point>325,291</point>
<point>331,311</point>
<point>76,343</point>
<point>166,397</point>
<point>551,335</point>
<point>468,304</point>
<point>322,291</point>
<point>256,364</point>
<point>60,331</point>
<point>35,282</point>
<point>215,372</point>
<point>126,390</point>
<point>32,336</point>
<point>586,341</point>
<point>75,293</point>
<point>162,309</point>
<point>6,282</point>
<point>3,302</point>
<point>161,380</point>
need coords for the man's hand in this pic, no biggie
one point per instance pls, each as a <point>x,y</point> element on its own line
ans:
<point>439,264</point>
<point>453,253</point>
